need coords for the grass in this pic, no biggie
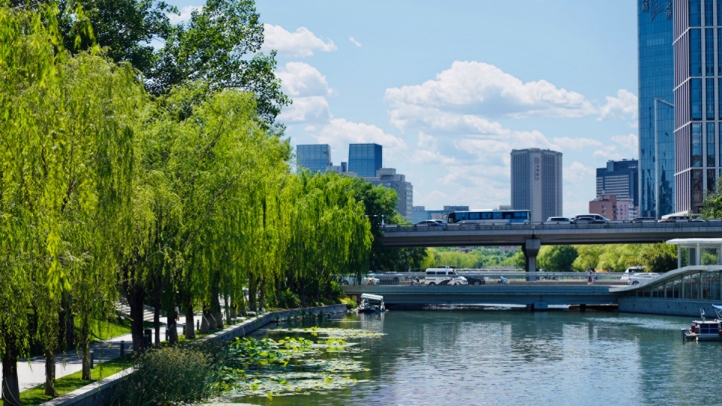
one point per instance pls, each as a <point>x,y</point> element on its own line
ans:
<point>101,330</point>
<point>69,383</point>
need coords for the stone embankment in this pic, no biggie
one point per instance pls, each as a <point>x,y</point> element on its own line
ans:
<point>102,392</point>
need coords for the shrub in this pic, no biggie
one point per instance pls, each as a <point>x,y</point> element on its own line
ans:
<point>168,375</point>
<point>288,300</point>
<point>350,303</point>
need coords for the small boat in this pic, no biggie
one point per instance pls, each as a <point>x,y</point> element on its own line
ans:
<point>705,330</point>
<point>371,304</point>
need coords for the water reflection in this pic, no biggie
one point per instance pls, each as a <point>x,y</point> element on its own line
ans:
<point>519,357</point>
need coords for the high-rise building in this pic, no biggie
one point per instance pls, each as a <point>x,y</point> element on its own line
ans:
<point>365,159</point>
<point>697,33</point>
<point>536,182</point>
<point>405,191</point>
<point>656,100</point>
<point>314,157</point>
<point>613,207</point>
<point>619,178</point>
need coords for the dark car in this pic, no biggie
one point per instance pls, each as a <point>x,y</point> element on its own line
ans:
<point>590,219</point>
<point>430,223</point>
<point>474,280</point>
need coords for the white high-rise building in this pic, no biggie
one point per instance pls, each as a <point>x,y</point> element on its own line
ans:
<point>536,182</point>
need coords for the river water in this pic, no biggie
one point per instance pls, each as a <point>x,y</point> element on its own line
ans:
<point>516,357</point>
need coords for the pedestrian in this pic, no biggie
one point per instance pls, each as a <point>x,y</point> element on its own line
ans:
<point>590,278</point>
<point>177,313</point>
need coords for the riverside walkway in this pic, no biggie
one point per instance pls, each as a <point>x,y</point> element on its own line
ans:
<point>31,372</point>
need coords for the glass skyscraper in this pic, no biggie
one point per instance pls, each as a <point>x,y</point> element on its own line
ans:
<point>656,81</point>
<point>314,157</point>
<point>698,84</point>
<point>365,159</point>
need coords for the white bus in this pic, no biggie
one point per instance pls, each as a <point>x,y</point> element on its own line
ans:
<point>443,276</point>
<point>489,217</point>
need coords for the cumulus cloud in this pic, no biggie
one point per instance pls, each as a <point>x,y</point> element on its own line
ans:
<point>577,172</point>
<point>574,144</point>
<point>622,106</point>
<point>427,152</point>
<point>481,88</point>
<point>185,14</point>
<point>305,109</point>
<point>299,79</point>
<point>353,41</point>
<point>339,132</point>
<point>299,43</point>
<point>628,142</point>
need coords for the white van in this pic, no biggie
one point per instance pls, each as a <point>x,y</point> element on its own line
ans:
<point>444,276</point>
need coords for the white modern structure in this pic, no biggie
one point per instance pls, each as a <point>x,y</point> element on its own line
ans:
<point>536,182</point>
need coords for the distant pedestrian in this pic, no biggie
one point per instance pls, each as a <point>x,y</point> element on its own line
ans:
<point>177,313</point>
<point>590,277</point>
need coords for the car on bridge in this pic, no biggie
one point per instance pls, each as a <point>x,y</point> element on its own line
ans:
<point>559,220</point>
<point>590,219</point>
<point>641,277</point>
<point>473,280</point>
<point>430,223</point>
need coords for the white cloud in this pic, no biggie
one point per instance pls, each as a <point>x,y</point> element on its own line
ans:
<point>304,109</point>
<point>608,152</point>
<point>628,142</point>
<point>574,144</point>
<point>481,88</point>
<point>622,106</point>
<point>302,42</point>
<point>299,79</point>
<point>340,132</point>
<point>353,41</point>
<point>427,152</point>
<point>577,172</point>
<point>185,14</point>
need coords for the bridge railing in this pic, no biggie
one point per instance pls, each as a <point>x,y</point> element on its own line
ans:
<point>394,228</point>
<point>512,277</point>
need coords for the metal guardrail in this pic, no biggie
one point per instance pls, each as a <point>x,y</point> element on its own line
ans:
<point>626,225</point>
<point>512,277</point>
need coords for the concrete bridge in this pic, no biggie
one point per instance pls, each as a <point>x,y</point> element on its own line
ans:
<point>531,236</point>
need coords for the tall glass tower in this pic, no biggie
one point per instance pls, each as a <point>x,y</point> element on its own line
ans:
<point>698,84</point>
<point>365,159</point>
<point>314,157</point>
<point>656,112</point>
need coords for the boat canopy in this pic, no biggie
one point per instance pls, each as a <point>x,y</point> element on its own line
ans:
<point>372,298</point>
<point>717,307</point>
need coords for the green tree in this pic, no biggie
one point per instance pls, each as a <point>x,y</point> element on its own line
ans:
<point>659,258</point>
<point>557,258</point>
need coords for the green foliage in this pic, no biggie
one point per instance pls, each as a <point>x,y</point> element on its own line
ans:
<point>477,258</point>
<point>557,258</point>
<point>660,258</point>
<point>168,375</point>
<point>618,257</point>
<point>288,299</point>
<point>712,203</point>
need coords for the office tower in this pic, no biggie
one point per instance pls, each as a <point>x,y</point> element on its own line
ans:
<point>405,191</point>
<point>619,178</point>
<point>365,159</point>
<point>613,207</point>
<point>697,31</point>
<point>536,182</point>
<point>656,99</point>
<point>314,157</point>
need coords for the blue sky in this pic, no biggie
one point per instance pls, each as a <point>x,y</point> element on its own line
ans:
<point>449,88</point>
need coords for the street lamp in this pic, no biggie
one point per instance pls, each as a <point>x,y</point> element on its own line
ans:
<point>656,156</point>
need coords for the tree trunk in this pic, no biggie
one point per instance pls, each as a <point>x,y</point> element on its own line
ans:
<point>135,300</point>
<point>156,319</point>
<point>85,344</point>
<point>50,374</point>
<point>232,313</point>
<point>205,322</point>
<point>217,312</point>
<point>303,292</point>
<point>172,327</point>
<point>261,294</point>
<point>252,293</point>
<point>190,330</point>
<point>67,323</point>
<point>10,383</point>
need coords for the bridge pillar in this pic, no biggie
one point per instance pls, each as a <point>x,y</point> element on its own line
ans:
<point>531,249</point>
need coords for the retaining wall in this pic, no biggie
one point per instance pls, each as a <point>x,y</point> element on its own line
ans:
<point>670,307</point>
<point>102,392</point>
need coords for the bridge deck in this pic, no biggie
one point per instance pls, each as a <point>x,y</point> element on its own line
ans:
<point>517,234</point>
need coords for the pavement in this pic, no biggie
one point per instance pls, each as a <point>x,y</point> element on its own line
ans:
<point>31,372</point>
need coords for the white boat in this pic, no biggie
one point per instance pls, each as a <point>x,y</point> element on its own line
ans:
<point>705,330</point>
<point>371,303</point>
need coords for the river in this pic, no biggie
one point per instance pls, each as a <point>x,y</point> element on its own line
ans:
<point>516,357</point>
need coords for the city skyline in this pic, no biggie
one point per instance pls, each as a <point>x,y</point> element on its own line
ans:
<point>449,104</point>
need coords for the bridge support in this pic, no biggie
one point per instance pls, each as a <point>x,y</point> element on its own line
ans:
<point>531,249</point>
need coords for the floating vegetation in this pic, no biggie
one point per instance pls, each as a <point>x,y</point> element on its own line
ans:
<point>292,365</point>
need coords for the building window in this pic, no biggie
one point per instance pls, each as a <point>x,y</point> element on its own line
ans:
<point>697,193</point>
<point>710,144</point>
<point>696,142</point>
<point>696,98</point>
<point>695,52</point>
<point>708,13</point>
<point>709,84</point>
<point>709,51</point>
<point>710,180</point>
<point>695,13</point>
